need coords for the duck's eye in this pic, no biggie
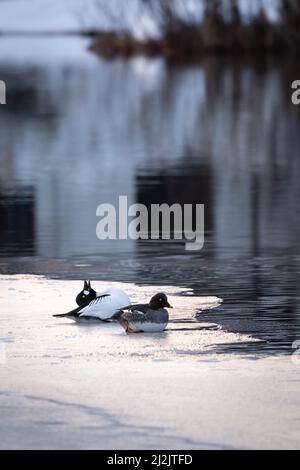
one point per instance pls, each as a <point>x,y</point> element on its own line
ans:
<point>83,296</point>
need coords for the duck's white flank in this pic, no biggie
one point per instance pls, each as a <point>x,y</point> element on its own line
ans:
<point>102,308</point>
<point>148,327</point>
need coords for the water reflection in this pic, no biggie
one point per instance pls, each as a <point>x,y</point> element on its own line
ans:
<point>77,134</point>
<point>17,209</point>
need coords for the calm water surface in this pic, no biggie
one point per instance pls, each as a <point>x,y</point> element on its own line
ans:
<point>78,131</point>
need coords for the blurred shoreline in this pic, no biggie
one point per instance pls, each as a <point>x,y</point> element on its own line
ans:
<point>182,32</point>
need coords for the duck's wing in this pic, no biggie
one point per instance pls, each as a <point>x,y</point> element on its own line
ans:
<point>134,315</point>
<point>118,294</point>
<point>137,308</point>
<point>102,307</point>
<point>79,310</point>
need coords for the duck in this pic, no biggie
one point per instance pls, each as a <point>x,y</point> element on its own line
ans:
<point>94,305</point>
<point>143,318</point>
<point>88,294</point>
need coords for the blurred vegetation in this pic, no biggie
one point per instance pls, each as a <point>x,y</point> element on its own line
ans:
<point>222,30</point>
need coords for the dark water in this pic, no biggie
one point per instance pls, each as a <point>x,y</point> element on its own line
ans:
<point>75,134</point>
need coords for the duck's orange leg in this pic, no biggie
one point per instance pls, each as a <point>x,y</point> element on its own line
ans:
<point>129,329</point>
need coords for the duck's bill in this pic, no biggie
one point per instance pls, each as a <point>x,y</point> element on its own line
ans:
<point>169,306</point>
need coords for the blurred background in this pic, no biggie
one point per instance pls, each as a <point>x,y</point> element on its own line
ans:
<point>162,101</point>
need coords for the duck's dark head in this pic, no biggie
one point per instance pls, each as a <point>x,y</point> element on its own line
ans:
<point>158,301</point>
<point>86,295</point>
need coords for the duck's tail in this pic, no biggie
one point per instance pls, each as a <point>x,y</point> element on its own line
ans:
<point>61,315</point>
<point>72,313</point>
